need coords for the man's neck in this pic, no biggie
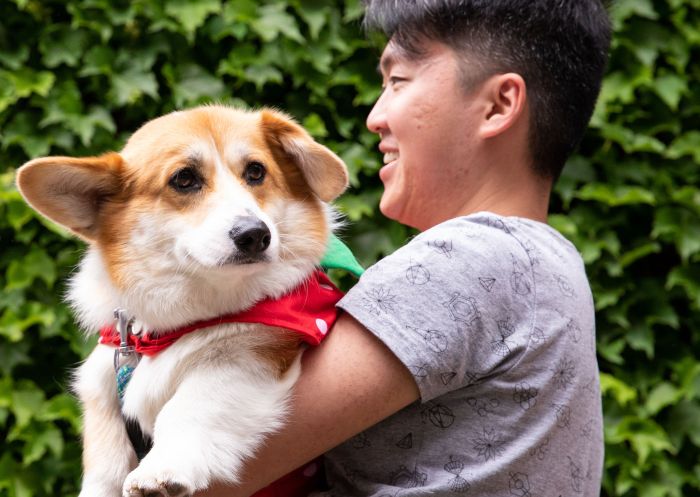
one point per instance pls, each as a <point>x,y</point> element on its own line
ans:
<point>528,200</point>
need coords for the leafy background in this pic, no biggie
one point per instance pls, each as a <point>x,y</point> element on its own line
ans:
<point>77,76</point>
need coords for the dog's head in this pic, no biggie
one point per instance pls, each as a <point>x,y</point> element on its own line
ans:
<point>210,193</point>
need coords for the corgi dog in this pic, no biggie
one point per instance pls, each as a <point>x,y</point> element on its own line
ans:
<point>203,214</point>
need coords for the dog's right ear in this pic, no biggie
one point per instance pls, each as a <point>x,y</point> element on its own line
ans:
<point>324,171</point>
<point>70,191</point>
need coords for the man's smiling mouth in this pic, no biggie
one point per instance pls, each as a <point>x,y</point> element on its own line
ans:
<point>390,157</point>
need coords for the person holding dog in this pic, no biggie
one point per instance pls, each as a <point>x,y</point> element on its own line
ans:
<point>464,362</point>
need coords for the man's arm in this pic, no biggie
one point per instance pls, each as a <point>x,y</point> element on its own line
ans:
<point>348,383</point>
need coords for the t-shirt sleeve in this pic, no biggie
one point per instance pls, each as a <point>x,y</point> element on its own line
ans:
<point>455,305</point>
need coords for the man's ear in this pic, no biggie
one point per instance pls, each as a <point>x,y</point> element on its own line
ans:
<point>506,94</point>
<point>70,191</point>
<point>324,172</point>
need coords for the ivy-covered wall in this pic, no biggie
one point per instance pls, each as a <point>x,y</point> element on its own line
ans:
<point>77,76</point>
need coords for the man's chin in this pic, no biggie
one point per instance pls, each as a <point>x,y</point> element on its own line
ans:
<point>390,207</point>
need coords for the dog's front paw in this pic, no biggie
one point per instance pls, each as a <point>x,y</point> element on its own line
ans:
<point>141,484</point>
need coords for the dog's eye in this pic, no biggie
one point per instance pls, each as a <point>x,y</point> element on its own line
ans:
<point>186,180</point>
<point>254,173</point>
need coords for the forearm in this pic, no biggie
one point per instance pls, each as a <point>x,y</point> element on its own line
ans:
<point>349,383</point>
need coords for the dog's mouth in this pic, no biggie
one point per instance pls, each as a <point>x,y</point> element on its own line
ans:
<point>239,259</point>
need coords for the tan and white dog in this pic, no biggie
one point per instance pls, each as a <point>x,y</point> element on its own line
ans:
<point>203,213</point>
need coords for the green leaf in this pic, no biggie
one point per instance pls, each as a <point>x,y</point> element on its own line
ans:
<point>615,196</point>
<point>641,337</point>
<point>62,407</point>
<point>36,264</point>
<point>18,213</point>
<point>671,88</point>
<point>638,253</point>
<point>14,60</point>
<point>8,468</point>
<point>689,240</point>
<point>662,395</point>
<point>688,372</point>
<point>630,140</point>
<point>624,9</point>
<point>687,196</point>
<point>13,356</point>
<point>98,60</point>
<point>666,480</point>
<point>63,45</point>
<point>192,84</point>
<point>191,15</point>
<point>617,86</point>
<point>49,439</point>
<point>357,159</point>
<point>687,278</point>
<point>275,21</point>
<point>619,390</point>
<point>314,13</point>
<point>86,126</point>
<point>22,83</point>
<point>645,436</point>
<point>321,58</point>
<point>129,86</point>
<point>263,74</point>
<point>26,403</point>
<point>353,10</point>
<point>22,131</point>
<point>684,421</point>
<point>681,226</point>
<point>607,297</point>
<point>563,224</point>
<point>14,323</point>
<point>315,125</point>
<point>355,207</point>
<point>660,311</point>
<point>686,144</point>
<point>66,109</point>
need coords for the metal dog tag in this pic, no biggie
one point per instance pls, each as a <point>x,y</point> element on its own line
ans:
<point>125,357</point>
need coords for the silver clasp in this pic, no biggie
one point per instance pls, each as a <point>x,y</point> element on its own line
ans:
<point>125,352</point>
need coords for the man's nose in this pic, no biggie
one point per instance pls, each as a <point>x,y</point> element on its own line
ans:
<point>376,119</point>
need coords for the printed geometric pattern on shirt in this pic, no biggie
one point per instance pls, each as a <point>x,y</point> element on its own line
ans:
<point>435,340</point>
<point>489,444</point>
<point>379,300</point>
<point>457,484</point>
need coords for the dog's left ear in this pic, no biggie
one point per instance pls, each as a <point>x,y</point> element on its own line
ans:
<point>324,171</point>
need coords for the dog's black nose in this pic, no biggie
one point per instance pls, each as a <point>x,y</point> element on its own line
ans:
<point>251,235</point>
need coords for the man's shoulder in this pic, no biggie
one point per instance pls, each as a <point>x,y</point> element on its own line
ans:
<point>487,237</point>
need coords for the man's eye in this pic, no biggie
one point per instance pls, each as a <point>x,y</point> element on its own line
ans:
<point>254,173</point>
<point>186,180</point>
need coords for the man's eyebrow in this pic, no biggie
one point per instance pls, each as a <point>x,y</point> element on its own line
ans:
<point>385,63</point>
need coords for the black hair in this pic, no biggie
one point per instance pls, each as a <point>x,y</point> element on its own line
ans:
<point>559,47</point>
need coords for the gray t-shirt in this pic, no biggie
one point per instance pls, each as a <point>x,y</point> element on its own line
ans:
<point>494,318</point>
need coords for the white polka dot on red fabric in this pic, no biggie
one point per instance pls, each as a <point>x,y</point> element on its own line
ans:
<point>322,326</point>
